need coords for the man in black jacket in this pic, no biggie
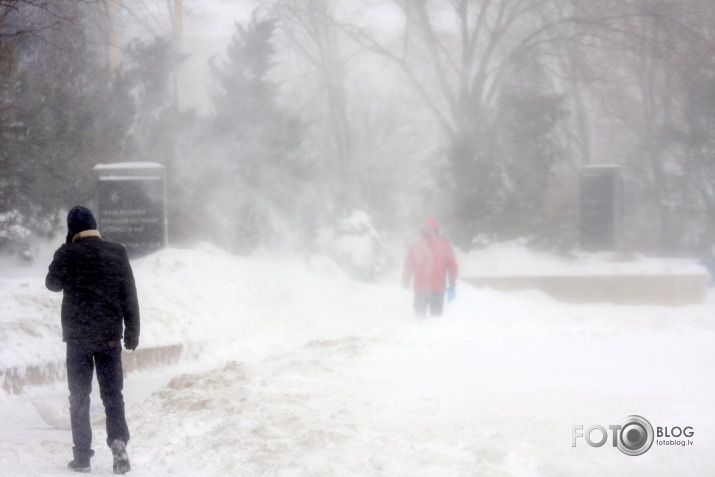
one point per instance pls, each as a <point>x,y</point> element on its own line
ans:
<point>99,307</point>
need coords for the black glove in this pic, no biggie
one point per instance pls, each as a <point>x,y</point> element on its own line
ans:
<point>131,343</point>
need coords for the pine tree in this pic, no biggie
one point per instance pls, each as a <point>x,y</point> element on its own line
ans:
<point>528,114</point>
<point>61,114</point>
<point>258,147</point>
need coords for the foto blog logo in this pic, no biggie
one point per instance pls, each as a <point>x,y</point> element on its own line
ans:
<point>633,435</point>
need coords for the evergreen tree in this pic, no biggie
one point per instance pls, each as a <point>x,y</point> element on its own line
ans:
<point>499,166</point>
<point>160,131</point>
<point>262,175</point>
<point>472,180</point>
<point>61,114</point>
<point>528,114</point>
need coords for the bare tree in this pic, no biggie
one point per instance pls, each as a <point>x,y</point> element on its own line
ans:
<point>676,89</point>
<point>310,29</point>
<point>53,108</point>
<point>656,64</point>
<point>457,56</point>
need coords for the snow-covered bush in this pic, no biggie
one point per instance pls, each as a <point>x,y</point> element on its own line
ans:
<point>356,246</point>
<point>20,233</point>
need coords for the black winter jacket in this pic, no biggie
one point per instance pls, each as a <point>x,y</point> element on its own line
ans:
<point>99,290</point>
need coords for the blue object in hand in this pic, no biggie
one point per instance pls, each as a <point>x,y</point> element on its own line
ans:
<point>451,294</point>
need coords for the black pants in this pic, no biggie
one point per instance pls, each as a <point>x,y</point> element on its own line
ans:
<point>81,359</point>
<point>432,301</point>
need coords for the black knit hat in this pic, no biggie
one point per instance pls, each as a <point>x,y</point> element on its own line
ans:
<point>79,219</point>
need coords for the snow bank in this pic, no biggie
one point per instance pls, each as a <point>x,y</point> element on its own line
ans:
<point>207,300</point>
<point>206,296</point>
<point>257,304</point>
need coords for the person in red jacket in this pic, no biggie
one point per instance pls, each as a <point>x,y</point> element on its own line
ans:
<point>429,264</point>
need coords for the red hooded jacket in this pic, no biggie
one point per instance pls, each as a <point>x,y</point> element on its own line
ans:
<point>431,261</point>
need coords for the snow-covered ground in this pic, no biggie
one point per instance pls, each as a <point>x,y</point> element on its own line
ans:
<point>292,369</point>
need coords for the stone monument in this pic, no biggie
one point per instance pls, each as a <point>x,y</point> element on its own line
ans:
<point>132,205</point>
<point>601,209</point>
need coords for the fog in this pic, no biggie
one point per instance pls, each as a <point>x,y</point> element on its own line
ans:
<point>277,120</point>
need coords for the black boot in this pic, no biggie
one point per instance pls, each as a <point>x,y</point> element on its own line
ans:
<point>77,466</point>
<point>121,458</point>
<point>81,463</point>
